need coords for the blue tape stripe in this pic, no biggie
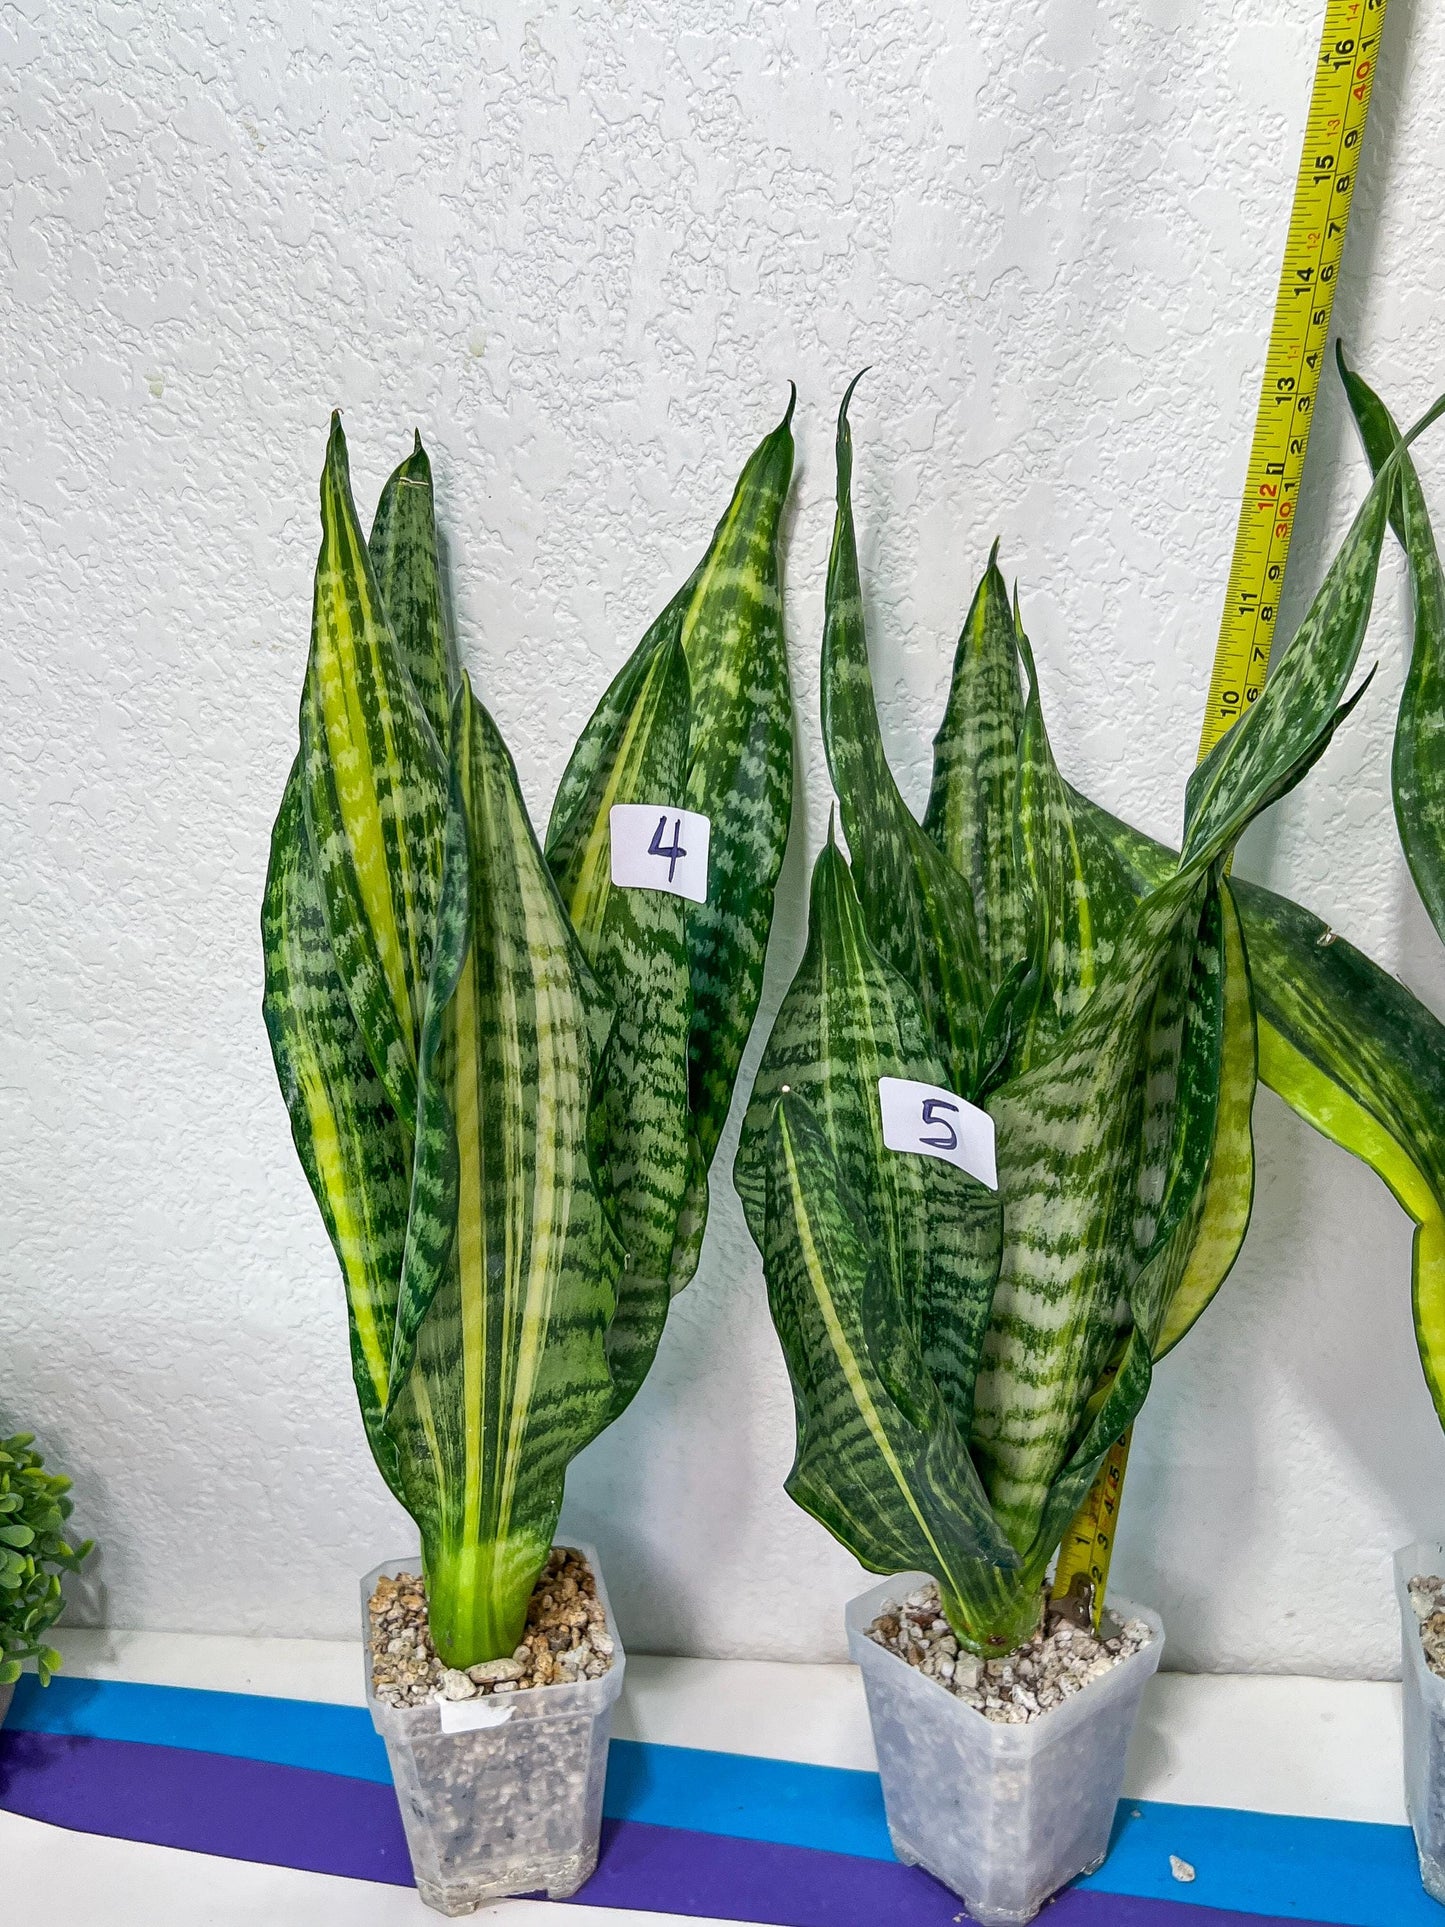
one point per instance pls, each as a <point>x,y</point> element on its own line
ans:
<point>747,1798</point>
<point>241,1726</point>
<point>1346,1873</point>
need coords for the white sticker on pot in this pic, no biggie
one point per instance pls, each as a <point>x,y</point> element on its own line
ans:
<point>655,848</point>
<point>469,1716</point>
<point>934,1123</point>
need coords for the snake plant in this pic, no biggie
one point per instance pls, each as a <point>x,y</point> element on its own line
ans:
<point>506,1076</point>
<point>963,1356</point>
<point>1346,1045</point>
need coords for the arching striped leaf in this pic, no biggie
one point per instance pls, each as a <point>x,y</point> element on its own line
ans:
<point>355,1151</point>
<point>918,908</point>
<point>500,1373</point>
<point>636,942</point>
<point>1418,768</point>
<point>1354,1053</point>
<point>403,551</point>
<point>373,788</point>
<point>1299,708</point>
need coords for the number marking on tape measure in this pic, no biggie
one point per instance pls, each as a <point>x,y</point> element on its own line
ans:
<point>1324,189</point>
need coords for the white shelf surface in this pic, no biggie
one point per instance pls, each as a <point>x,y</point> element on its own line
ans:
<point>1326,1748</point>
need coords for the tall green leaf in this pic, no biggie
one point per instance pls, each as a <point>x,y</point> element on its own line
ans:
<point>374,792</point>
<point>354,1149</point>
<point>500,1372</point>
<point>403,551</point>
<point>919,909</point>
<point>727,618</point>
<point>636,942</point>
<point>1073,947</point>
<point>740,770</point>
<point>1418,770</point>
<point>970,814</point>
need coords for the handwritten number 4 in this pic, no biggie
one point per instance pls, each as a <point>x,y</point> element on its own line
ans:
<point>674,851</point>
<point>933,1109</point>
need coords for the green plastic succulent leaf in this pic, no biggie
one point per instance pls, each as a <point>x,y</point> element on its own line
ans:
<point>499,1374</point>
<point>919,908</point>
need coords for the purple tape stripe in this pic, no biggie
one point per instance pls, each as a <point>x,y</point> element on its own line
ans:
<point>708,1874</point>
<point>283,1816</point>
<point>291,1816</point>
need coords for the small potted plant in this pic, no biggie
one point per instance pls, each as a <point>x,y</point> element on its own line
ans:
<point>998,1160</point>
<point>507,1069</point>
<point>34,1552</point>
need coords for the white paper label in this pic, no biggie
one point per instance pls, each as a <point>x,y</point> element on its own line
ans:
<point>657,848</point>
<point>469,1716</point>
<point>936,1124</point>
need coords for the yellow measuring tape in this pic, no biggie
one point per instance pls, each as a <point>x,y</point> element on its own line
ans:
<point>1324,189</point>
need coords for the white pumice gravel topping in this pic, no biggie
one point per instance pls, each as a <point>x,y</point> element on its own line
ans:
<point>566,1639</point>
<point>1058,1661</point>
<point>1427,1596</point>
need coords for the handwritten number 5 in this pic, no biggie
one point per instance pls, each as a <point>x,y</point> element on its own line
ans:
<point>933,1109</point>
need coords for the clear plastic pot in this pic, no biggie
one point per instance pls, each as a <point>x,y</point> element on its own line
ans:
<point>7,1693</point>
<point>509,1806</point>
<point>1423,1705</point>
<point>1002,1815</point>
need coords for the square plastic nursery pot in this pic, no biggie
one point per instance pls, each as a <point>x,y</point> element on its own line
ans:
<point>1002,1815</point>
<point>513,1803</point>
<point>1423,1705</point>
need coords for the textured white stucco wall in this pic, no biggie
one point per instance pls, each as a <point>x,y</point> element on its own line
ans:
<point>584,248</point>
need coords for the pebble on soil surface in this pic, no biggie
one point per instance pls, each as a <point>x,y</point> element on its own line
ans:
<point>566,1639</point>
<point>1427,1596</point>
<point>1058,1661</point>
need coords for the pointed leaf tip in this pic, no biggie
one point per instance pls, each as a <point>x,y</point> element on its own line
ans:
<point>787,420</point>
<point>416,447</point>
<point>847,397</point>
